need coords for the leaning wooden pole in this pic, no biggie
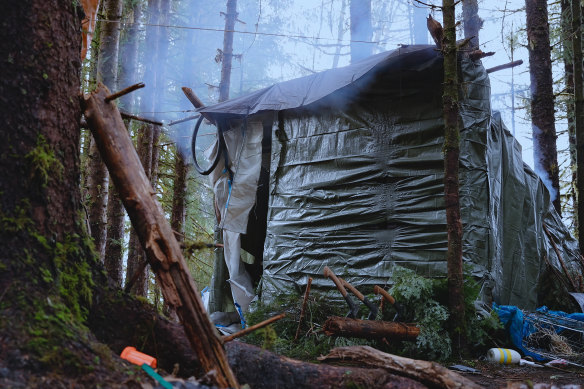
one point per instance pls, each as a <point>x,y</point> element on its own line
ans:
<point>162,249</point>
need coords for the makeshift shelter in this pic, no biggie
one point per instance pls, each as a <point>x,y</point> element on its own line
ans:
<point>344,169</point>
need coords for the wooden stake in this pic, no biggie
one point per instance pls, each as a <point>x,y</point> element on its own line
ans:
<point>369,329</point>
<point>304,302</point>
<point>246,331</point>
<point>162,249</point>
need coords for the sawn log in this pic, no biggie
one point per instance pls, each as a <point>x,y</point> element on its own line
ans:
<point>369,329</point>
<point>431,374</point>
<point>162,249</point>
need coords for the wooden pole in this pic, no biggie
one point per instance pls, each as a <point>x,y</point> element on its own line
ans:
<point>126,115</point>
<point>304,302</point>
<point>162,249</point>
<point>431,374</point>
<point>124,91</point>
<point>505,66</point>
<point>248,330</point>
<point>369,329</point>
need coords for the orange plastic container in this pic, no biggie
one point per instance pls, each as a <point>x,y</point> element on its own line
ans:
<point>138,358</point>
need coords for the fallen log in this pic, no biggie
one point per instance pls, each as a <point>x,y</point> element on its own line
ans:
<point>369,329</point>
<point>263,369</point>
<point>431,374</point>
<point>251,365</point>
<point>162,249</point>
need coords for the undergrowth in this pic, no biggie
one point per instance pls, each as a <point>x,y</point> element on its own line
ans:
<point>424,302</point>
<point>312,342</point>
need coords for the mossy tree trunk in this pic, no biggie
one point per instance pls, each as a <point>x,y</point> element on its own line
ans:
<point>545,155</point>
<point>451,181</point>
<point>46,260</point>
<point>578,113</point>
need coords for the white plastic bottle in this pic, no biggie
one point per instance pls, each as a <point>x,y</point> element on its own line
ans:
<point>505,356</point>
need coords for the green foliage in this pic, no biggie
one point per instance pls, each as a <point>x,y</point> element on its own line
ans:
<point>279,336</point>
<point>425,303</point>
<point>43,163</point>
<point>416,294</point>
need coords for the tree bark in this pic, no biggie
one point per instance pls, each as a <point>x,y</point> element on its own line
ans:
<point>578,113</point>
<point>361,29</point>
<point>115,236</point>
<point>107,69</point>
<point>97,191</point>
<point>431,374</point>
<point>179,190</point>
<point>115,209</point>
<point>567,56</point>
<point>545,156</point>
<point>369,329</point>
<point>155,234</point>
<point>451,181</point>
<point>472,22</point>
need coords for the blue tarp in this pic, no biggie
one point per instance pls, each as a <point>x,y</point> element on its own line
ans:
<point>519,329</point>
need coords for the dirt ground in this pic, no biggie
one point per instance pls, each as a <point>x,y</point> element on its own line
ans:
<point>513,376</point>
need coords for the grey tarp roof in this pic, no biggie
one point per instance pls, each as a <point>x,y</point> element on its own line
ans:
<point>309,89</point>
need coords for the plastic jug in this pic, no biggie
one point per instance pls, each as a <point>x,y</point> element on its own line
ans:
<point>505,356</point>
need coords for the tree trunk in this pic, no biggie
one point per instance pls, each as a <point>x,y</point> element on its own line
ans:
<point>107,69</point>
<point>569,83</point>
<point>545,156</point>
<point>578,113</point>
<point>97,191</point>
<point>179,190</point>
<point>227,58</point>
<point>46,257</point>
<point>369,329</point>
<point>451,182</point>
<point>361,29</point>
<point>147,134</point>
<point>115,209</point>
<point>429,373</point>
<point>115,236</point>
<point>472,22</point>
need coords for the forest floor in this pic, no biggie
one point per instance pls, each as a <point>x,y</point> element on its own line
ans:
<point>513,376</point>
